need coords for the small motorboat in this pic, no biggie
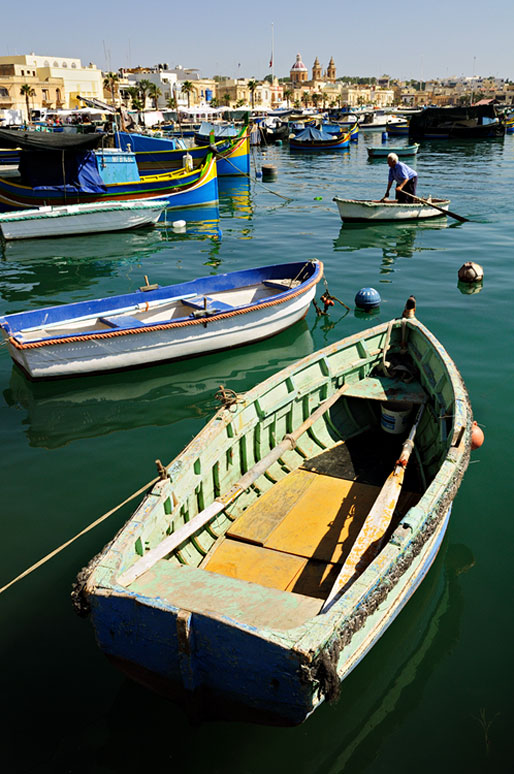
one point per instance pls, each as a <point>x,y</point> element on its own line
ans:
<point>72,219</point>
<point>279,546</point>
<point>384,151</point>
<point>156,324</point>
<point>356,210</point>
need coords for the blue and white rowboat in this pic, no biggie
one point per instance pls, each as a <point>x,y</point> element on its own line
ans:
<point>156,323</point>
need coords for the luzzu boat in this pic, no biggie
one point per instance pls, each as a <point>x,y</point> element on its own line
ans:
<point>161,154</point>
<point>157,324</point>
<point>312,139</point>
<point>271,556</point>
<point>63,169</point>
<point>362,210</point>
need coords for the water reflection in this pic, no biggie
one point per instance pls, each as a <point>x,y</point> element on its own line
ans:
<point>63,411</point>
<point>235,197</point>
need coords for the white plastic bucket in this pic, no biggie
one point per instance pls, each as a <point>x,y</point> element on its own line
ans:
<point>395,418</point>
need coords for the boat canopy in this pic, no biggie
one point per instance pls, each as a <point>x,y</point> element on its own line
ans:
<point>49,141</point>
<point>310,134</point>
<point>221,132</point>
<point>57,171</point>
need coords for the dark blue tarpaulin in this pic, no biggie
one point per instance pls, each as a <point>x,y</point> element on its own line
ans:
<point>59,171</point>
<point>310,133</point>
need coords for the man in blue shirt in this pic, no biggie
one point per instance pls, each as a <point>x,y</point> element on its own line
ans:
<point>405,177</point>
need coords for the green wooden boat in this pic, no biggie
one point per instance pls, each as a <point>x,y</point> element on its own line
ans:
<point>283,541</point>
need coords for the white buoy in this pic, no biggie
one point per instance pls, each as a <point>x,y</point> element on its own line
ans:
<point>179,225</point>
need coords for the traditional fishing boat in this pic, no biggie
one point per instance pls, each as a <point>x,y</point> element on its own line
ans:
<point>158,324</point>
<point>166,154</point>
<point>271,556</point>
<point>357,210</point>
<point>383,152</point>
<point>63,169</point>
<point>312,139</point>
<point>93,218</point>
<point>400,129</point>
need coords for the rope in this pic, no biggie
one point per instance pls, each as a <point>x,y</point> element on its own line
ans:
<point>245,174</point>
<point>91,526</point>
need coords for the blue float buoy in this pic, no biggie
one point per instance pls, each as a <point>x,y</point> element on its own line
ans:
<point>385,136</point>
<point>367,299</point>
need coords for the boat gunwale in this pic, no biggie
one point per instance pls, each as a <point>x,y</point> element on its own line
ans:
<point>279,298</point>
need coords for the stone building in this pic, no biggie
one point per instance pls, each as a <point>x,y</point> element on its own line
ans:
<point>56,81</point>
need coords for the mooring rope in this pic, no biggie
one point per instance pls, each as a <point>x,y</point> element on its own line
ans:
<point>91,526</point>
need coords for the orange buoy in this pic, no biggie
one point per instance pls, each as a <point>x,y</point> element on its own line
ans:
<point>477,436</point>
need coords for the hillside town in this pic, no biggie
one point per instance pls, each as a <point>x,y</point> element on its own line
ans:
<point>32,85</point>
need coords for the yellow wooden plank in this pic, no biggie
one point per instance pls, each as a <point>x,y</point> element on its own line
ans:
<point>261,518</point>
<point>249,562</point>
<point>315,579</point>
<point>325,521</point>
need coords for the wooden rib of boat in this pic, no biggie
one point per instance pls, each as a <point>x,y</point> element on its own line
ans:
<point>215,591</point>
<point>93,218</point>
<point>405,150</point>
<point>156,324</point>
<point>357,210</point>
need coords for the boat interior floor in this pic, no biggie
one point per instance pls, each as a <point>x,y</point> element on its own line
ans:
<point>277,562</point>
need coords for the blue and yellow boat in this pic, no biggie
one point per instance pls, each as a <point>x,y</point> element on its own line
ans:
<point>312,139</point>
<point>165,154</point>
<point>56,170</point>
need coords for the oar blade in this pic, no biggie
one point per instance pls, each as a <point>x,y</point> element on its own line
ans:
<point>371,533</point>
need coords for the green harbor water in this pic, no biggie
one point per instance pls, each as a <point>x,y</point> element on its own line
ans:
<point>435,693</point>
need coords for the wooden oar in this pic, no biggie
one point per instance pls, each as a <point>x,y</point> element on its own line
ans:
<point>377,521</point>
<point>441,209</point>
<point>220,503</point>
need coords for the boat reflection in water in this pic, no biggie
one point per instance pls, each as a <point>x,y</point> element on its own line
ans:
<point>60,412</point>
<point>395,240</point>
<point>235,200</point>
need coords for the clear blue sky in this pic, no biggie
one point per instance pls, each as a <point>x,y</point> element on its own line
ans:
<point>435,38</point>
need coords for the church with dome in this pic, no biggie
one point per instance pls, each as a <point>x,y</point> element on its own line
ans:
<point>299,75</point>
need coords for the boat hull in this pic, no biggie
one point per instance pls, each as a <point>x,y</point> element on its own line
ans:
<point>218,657</point>
<point>80,219</point>
<point>111,341</point>
<point>409,150</point>
<point>354,211</point>
<point>197,189</point>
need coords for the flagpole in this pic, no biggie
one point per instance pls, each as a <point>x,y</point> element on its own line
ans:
<point>272,51</point>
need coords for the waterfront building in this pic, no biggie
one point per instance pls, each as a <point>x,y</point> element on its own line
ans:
<point>65,79</point>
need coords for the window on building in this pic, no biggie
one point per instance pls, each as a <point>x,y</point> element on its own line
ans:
<point>23,72</point>
<point>58,95</point>
<point>56,64</point>
<point>73,64</point>
<point>46,63</point>
<point>3,92</point>
<point>64,64</point>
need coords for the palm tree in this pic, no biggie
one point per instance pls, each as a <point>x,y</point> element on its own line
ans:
<point>171,102</point>
<point>252,86</point>
<point>316,98</point>
<point>188,88</point>
<point>288,93</point>
<point>306,98</point>
<point>144,87</point>
<point>226,99</point>
<point>111,83</point>
<point>154,93</point>
<point>27,91</point>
